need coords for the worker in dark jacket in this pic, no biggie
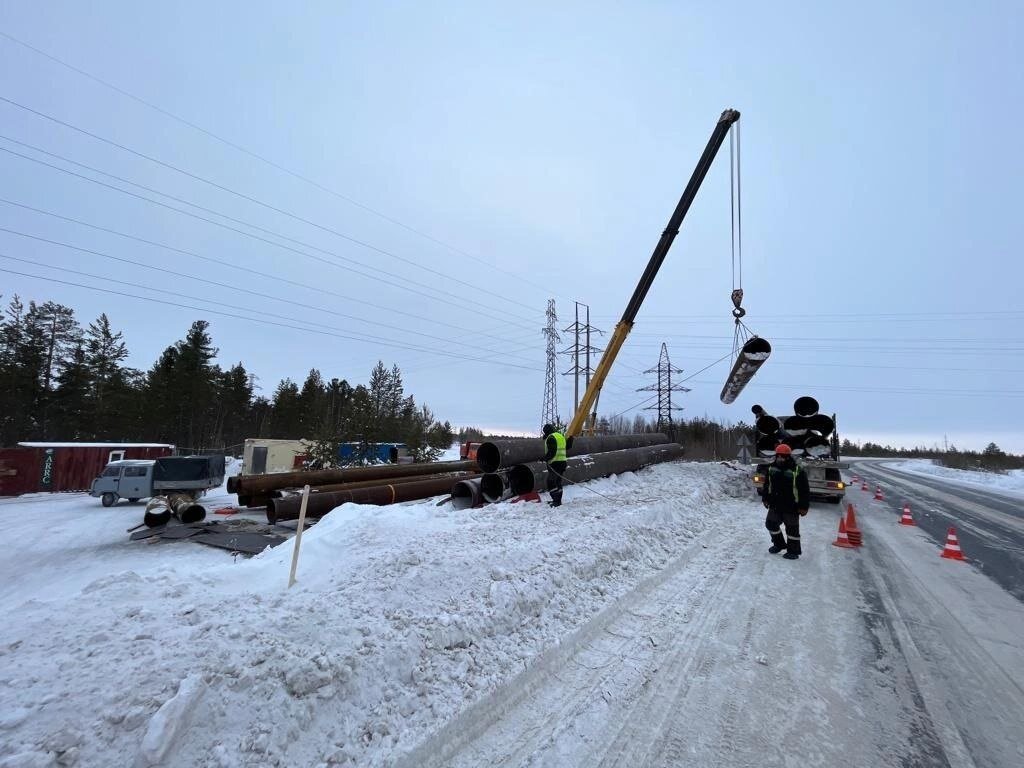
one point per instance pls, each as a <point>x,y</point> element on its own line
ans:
<point>787,495</point>
<point>555,447</point>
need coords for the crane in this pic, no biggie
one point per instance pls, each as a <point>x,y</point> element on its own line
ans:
<point>625,325</point>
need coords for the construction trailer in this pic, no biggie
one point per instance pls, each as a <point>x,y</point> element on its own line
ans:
<point>53,467</point>
<point>262,456</point>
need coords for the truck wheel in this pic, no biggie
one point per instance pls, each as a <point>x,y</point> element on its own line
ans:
<point>108,499</point>
<point>132,501</point>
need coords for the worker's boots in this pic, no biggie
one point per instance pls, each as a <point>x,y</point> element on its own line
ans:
<point>556,498</point>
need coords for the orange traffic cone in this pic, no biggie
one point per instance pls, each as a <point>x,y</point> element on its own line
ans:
<point>907,519</point>
<point>852,531</point>
<point>878,493</point>
<point>952,549</point>
<point>864,485</point>
<point>855,480</point>
<point>842,540</point>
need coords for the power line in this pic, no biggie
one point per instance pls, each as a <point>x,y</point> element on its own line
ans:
<point>218,284</point>
<point>250,270</point>
<point>269,162</point>
<point>254,200</point>
<point>522,321</point>
<point>262,321</point>
<point>894,390</point>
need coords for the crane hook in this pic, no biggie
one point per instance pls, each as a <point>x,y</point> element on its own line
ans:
<point>737,299</point>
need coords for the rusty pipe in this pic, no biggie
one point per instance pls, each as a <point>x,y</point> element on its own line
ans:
<point>321,503</point>
<point>524,478</point>
<point>185,508</point>
<point>259,485</point>
<point>493,455</point>
<point>494,486</point>
<point>281,493</point>
<point>750,358</point>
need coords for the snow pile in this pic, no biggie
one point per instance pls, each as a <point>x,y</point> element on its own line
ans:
<point>402,617</point>
<point>1011,483</point>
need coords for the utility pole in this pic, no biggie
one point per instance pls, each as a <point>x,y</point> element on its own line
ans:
<point>665,388</point>
<point>549,413</point>
<point>577,351</point>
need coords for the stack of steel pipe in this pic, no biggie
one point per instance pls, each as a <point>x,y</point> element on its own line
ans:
<point>806,432</point>
<point>494,455</point>
<point>532,476</point>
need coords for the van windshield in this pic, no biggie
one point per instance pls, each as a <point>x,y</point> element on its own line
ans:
<point>111,472</point>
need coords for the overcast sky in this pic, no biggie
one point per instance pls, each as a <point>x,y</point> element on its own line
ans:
<point>473,162</point>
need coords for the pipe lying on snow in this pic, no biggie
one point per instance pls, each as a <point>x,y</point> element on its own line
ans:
<point>282,493</point>
<point>493,455</point>
<point>157,512</point>
<point>494,486</point>
<point>751,357</point>
<point>185,508</point>
<point>259,485</point>
<point>466,494</point>
<point>523,478</point>
<point>321,503</point>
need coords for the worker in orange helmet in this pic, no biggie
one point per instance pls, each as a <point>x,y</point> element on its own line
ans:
<point>787,496</point>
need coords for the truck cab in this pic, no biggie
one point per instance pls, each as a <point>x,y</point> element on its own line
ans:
<point>130,479</point>
<point>824,477</point>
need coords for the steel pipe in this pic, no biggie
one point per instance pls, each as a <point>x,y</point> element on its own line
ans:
<point>466,494</point>
<point>524,478</point>
<point>805,406</point>
<point>750,358</point>
<point>157,512</point>
<point>493,455</point>
<point>494,486</point>
<point>321,503</point>
<point>185,508</point>
<point>258,485</point>
<point>281,493</point>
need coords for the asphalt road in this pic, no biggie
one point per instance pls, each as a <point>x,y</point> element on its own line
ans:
<point>989,525</point>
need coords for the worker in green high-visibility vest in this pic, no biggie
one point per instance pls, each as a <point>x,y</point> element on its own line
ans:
<point>556,446</point>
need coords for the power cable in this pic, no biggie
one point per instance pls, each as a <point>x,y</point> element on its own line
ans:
<point>250,270</point>
<point>244,223</point>
<point>179,305</point>
<point>228,286</point>
<point>252,199</point>
<point>269,162</point>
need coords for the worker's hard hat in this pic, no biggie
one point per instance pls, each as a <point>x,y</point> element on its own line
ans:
<point>783,450</point>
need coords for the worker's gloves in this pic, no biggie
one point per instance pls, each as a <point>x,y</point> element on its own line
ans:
<point>803,512</point>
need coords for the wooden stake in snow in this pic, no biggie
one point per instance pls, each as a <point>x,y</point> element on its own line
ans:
<point>298,535</point>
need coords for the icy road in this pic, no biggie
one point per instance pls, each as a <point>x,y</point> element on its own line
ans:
<point>645,626</point>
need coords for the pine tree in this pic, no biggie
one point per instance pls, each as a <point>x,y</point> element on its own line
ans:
<point>71,415</point>
<point>285,414</point>
<point>105,351</point>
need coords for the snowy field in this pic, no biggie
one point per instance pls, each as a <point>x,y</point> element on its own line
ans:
<point>513,634</point>
<point>1011,483</point>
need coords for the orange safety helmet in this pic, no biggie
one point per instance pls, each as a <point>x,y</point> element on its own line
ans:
<point>783,450</point>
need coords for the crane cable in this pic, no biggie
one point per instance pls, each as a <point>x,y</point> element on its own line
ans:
<point>741,333</point>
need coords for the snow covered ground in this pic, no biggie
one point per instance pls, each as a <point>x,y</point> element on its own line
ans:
<point>641,623</point>
<point>1011,483</point>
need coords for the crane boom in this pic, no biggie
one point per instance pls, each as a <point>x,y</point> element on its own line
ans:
<point>625,325</point>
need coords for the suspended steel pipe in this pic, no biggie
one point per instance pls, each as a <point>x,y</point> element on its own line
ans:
<point>750,358</point>
<point>493,455</point>
<point>524,478</point>
<point>321,503</point>
<point>259,485</point>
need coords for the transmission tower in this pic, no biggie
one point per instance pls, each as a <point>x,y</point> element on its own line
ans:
<point>580,353</point>
<point>549,414</point>
<point>664,388</point>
